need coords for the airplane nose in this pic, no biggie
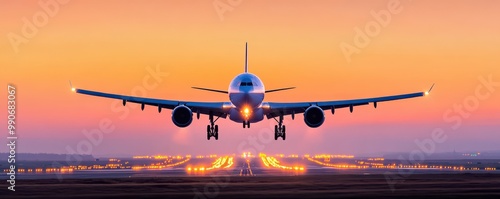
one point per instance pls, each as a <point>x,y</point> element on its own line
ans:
<point>246,96</point>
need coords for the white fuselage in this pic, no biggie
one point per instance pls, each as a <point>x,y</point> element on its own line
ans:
<point>246,93</point>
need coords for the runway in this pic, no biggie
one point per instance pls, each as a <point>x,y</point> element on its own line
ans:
<point>307,186</point>
<point>252,178</point>
<point>255,166</point>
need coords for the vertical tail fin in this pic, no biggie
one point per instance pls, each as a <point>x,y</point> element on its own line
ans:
<point>246,57</point>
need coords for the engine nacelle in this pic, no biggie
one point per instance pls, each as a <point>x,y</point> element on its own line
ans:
<point>182,116</point>
<point>314,116</point>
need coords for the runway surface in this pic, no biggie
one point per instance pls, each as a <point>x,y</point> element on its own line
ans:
<point>258,178</point>
<point>308,186</point>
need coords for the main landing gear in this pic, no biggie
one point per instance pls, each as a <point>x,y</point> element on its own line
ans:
<point>279,130</point>
<point>212,130</point>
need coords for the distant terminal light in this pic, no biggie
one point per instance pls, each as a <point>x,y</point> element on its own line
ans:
<point>334,156</point>
<point>141,157</point>
<point>375,159</point>
<point>161,157</point>
<point>471,154</point>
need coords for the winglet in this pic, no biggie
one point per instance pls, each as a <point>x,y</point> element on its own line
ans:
<point>246,57</point>
<point>429,91</point>
<point>71,85</point>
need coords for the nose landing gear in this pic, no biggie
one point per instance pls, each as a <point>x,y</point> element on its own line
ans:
<point>246,124</point>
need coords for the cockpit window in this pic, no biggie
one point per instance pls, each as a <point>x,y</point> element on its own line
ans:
<point>246,84</point>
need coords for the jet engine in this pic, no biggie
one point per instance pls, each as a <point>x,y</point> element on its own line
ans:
<point>314,116</point>
<point>182,116</point>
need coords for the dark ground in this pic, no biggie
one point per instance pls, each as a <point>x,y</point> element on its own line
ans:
<point>308,186</point>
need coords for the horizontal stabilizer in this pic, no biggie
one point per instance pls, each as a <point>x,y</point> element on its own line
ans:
<point>211,90</point>
<point>279,89</point>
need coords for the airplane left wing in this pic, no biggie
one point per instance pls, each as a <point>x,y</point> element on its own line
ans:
<point>218,109</point>
<point>275,109</point>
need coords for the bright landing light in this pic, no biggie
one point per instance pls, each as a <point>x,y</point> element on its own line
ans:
<point>245,112</point>
<point>426,92</point>
<point>73,89</point>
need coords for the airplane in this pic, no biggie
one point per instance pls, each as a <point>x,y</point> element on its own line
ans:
<point>246,105</point>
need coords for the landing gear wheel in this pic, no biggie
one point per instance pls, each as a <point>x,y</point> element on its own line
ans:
<point>244,125</point>
<point>279,130</point>
<point>248,124</point>
<point>275,132</point>
<point>212,129</point>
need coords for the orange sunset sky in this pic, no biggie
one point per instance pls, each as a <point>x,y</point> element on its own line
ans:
<point>109,45</point>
